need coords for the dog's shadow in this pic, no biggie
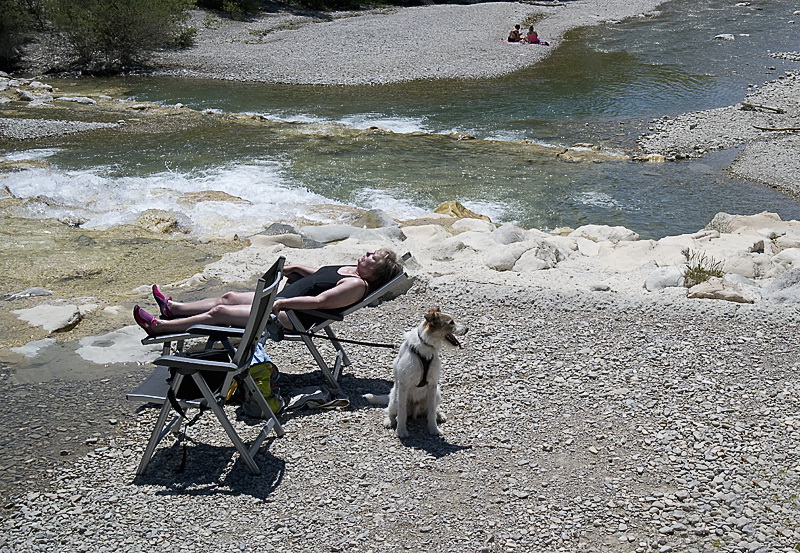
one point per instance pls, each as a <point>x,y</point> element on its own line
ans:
<point>435,446</point>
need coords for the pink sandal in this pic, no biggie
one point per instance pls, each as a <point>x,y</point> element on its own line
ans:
<point>163,303</point>
<point>145,320</point>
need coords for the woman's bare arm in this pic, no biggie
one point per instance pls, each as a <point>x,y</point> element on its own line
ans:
<point>346,292</point>
<point>301,270</point>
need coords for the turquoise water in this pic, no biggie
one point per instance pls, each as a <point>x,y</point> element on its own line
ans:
<point>602,85</point>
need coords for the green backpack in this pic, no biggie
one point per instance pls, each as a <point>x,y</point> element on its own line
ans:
<point>265,375</point>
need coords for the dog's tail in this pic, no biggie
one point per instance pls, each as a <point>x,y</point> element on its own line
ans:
<point>377,399</point>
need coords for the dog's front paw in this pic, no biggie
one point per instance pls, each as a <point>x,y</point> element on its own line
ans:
<point>389,422</point>
<point>440,418</point>
<point>434,431</point>
<point>402,433</point>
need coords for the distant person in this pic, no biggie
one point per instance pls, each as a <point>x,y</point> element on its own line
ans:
<point>514,35</point>
<point>532,37</point>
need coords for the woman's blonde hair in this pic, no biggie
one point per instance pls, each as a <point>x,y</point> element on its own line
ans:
<point>387,267</point>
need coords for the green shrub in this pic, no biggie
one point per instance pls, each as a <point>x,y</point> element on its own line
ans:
<point>700,268</point>
<point>110,35</point>
<point>17,19</point>
<point>237,9</point>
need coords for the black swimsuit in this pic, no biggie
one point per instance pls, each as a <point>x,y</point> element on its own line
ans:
<point>321,280</point>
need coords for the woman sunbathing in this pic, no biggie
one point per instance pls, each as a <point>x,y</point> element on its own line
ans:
<point>326,288</point>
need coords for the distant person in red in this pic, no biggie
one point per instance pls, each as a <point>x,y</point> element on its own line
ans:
<point>514,35</point>
<point>532,37</point>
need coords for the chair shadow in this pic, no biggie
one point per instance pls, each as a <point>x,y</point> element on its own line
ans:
<point>200,471</point>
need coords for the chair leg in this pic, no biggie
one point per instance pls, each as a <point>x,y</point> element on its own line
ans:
<point>161,428</point>
<point>226,424</point>
<point>273,424</point>
<point>345,360</point>
<point>326,370</point>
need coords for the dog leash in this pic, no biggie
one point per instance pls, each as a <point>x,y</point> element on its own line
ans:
<point>358,342</point>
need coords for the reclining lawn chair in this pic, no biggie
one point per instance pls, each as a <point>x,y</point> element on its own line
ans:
<point>212,378</point>
<point>305,333</point>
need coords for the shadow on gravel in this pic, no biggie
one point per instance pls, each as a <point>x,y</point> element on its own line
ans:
<point>203,473</point>
<point>436,446</point>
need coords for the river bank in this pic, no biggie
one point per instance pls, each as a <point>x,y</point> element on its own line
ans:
<point>594,407</point>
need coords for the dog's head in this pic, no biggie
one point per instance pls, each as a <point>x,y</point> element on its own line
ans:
<point>441,326</point>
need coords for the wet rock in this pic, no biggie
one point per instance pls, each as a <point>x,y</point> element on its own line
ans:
<point>455,209</point>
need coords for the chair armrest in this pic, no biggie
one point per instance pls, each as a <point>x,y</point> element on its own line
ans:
<point>210,330</point>
<point>320,314</point>
<point>189,364</point>
<point>177,337</point>
<point>194,332</point>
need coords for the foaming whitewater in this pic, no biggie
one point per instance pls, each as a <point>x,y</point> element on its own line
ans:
<point>402,125</point>
<point>255,195</point>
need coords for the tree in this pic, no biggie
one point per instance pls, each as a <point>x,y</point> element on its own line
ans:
<point>110,35</point>
<point>16,22</point>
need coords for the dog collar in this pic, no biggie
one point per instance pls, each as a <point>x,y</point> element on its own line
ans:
<point>421,339</point>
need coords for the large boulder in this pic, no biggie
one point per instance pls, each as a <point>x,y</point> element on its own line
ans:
<point>328,233</point>
<point>508,234</point>
<point>503,258</point>
<point>543,255</point>
<point>426,234</point>
<point>600,233</point>
<point>474,225</point>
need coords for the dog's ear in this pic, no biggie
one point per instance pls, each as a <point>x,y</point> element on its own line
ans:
<point>432,314</point>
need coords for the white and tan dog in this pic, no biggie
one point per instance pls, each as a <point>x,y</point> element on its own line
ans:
<point>416,370</point>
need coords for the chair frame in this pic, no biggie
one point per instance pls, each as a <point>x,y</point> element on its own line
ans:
<point>182,365</point>
<point>332,374</point>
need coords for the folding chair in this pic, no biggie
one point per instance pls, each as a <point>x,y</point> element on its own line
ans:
<point>305,334</point>
<point>164,385</point>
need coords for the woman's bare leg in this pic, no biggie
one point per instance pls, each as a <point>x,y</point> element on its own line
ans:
<point>188,309</point>
<point>220,315</point>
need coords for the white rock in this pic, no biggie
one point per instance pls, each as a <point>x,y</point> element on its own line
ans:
<point>503,258</point>
<point>720,289</point>
<point>475,225</point>
<point>52,318</point>
<point>426,234</point>
<point>78,99</point>
<point>288,239</point>
<point>328,233</point>
<point>508,234</point>
<point>787,259</point>
<point>599,233</point>
<point>32,349</point>
<point>664,277</point>
<point>120,346</point>
<point>543,255</point>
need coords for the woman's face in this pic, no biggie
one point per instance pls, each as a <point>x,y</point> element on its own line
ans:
<point>368,262</point>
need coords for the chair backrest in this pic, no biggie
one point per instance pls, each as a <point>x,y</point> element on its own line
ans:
<point>377,294</point>
<point>266,290</point>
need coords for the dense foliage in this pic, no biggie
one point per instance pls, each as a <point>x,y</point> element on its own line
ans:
<point>108,35</point>
<point>17,18</point>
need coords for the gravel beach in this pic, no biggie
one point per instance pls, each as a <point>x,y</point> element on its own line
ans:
<point>388,45</point>
<point>578,421</point>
